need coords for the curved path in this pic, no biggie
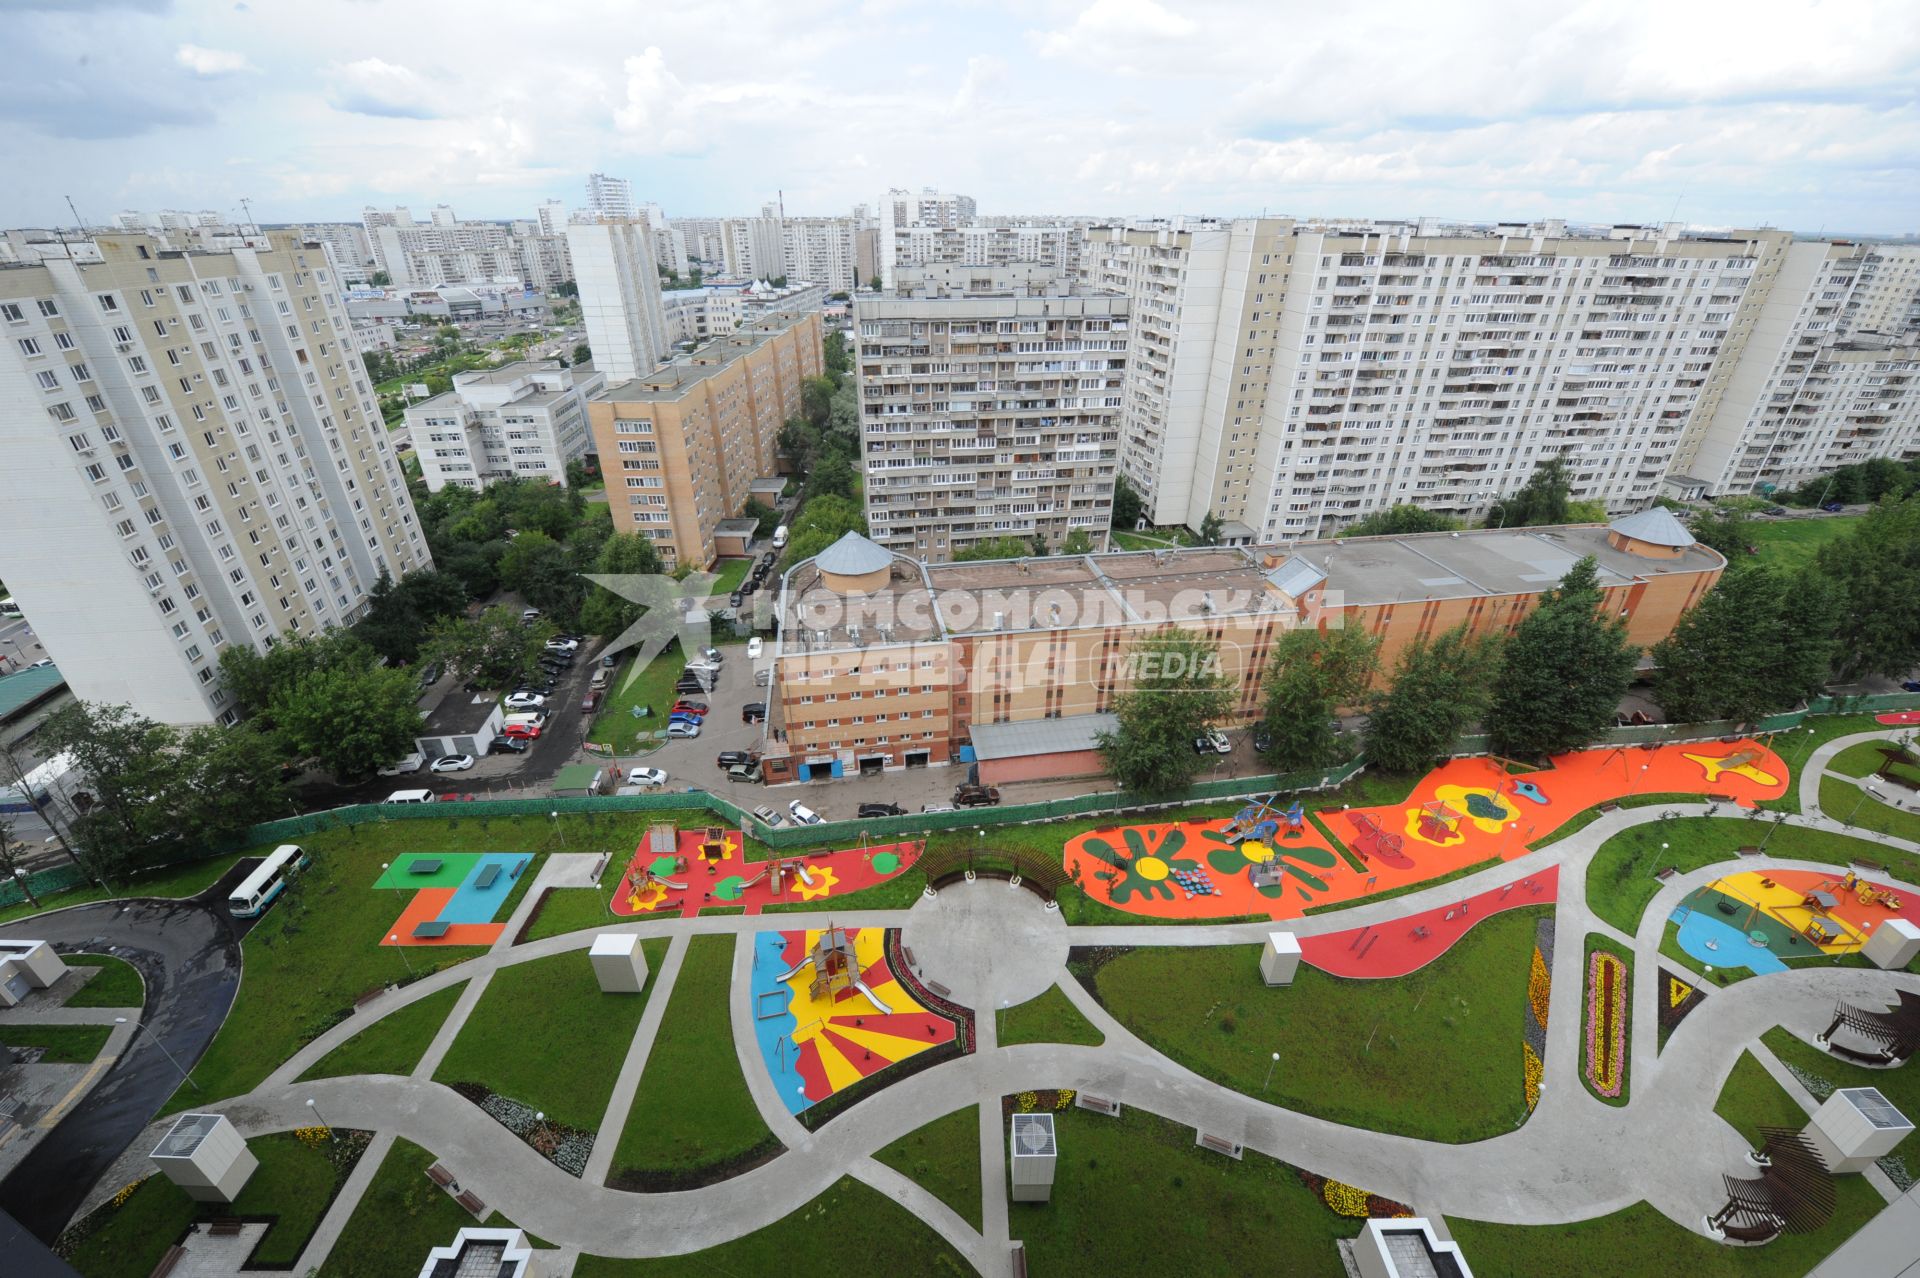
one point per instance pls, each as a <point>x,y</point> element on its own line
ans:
<point>1575,1158</point>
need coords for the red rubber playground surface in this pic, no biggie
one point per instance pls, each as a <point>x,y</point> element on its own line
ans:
<point>1409,944</point>
<point>1898,717</point>
<point>690,881</point>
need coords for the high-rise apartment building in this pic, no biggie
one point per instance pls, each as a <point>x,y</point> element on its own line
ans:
<point>822,250</point>
<point>619,296</point>
<point>195,459</point>
<point>443,251</point>
<point>551,217</point>
<point>609,197</point>
<point>352,253</point>
<point>682,445</point>
<point>902,210</point>
<point>990,412</point>
<point>752,248</point>
<point>524,420</point>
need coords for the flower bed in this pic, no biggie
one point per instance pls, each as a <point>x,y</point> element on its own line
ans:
<point>1678,997</point>
<point>1532,1071</point>
<point>1606,1037</point>
<point>565,1147</point>
<point>1350,1200</point>
<point>1539,998</point>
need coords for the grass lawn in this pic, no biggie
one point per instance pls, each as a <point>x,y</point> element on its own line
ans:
<point>1790,544</point>
<point>65,1044</point>
<point>692,1115</point>
<point>1640,1240</point>
<point>557,1002</point>
<point>401,1217</point>
<point>1796,745</point>
<point>1620,878</point>
<point>294,1182</point>
<point>1135,1195</point>
<point>1901,1086</point>
<point>1581,820</point>
<point>570,909</point>
<point>1844,801</point>
<point>189,879</point>
<point>1595,941</point>
<point>1862,759</point>
<point>1434,1055</point>
<point>1750,1100</point>
<point>729,575</point>
<point>118,984</point>
<point>944,1158</point>
<point>614,723</point>
<point>393,1044</point>
<point>850,1229</point>
<point>1050,1018</point>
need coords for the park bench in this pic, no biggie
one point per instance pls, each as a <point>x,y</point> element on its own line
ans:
<point>1610,807</point>
<point>906,952</point>
<point>468,1199</point>
<point>1218,1144</point>
<point>1751,1233</point>
<point>521,864</point>
<point>431,930</point>
<point>1098,1104</point>
<point>1875,866</point>
<point>368,997</point>
<point>938,988</point>
<point>489,875</point>
<point>1748,849</point>
<point>442,1177</point>
<point>1666,872</point>
<point>1719,798</point>
<point>225,1227</point>
<point>1019,1259</point>
<point>172,1257</point>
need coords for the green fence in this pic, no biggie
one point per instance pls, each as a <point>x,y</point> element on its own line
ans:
<point>43,882</point>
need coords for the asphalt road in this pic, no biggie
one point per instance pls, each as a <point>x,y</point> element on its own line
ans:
<point>188,952</point>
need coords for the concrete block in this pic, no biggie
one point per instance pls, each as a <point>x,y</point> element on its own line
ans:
<point>1856,1126</point>
<point>205,1155</point>
<point>619,964</point>
<point>1279,958</point>
<point>1893,944</point>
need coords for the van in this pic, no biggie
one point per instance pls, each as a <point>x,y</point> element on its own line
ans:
<point>8,608</point>
<point>524,720</point>
<point>410,796</point>
<point>601,678</point>
<point>780,537</point>
<point>404,766</point>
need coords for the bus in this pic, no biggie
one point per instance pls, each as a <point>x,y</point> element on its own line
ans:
<point>8,608</point>
<point>257,890</point>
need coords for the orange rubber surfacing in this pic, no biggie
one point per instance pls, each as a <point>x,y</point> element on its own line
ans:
<point>424,908</point>
<point>1462,813</point>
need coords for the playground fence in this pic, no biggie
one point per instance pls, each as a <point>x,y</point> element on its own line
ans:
<point>44,883</point>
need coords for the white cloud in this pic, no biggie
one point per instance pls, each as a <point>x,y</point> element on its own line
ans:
<point>209,63</point>
<point>373,87</point>
<point>1112,28</point>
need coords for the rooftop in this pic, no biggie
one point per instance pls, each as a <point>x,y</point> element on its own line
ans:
<point>672,381</point>
<point>1017,740</point>
<point>24,687</point>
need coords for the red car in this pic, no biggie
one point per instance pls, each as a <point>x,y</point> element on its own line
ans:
<point>697,709</point>
<point>522,731</point>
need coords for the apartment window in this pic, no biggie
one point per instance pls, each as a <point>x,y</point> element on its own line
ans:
<point>29,345</point>
<point>108,302</point>
<point>12,312</point>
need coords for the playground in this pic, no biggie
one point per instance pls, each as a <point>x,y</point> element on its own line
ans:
<point>828,1011</point>
<point>455,895</point>
<point>1408,944</point>
<point>1758,920</point>
<point>686,871</point>
<point>1270,860</point>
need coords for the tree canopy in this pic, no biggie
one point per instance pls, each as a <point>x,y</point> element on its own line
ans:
<point>1441,686</point>
<point>1540,501</point>
<point>1176,692</point>
<point>1758,642</point>
<point>1400,520</point>
<point>1311,676</point>
<point>1127,505</point>
<point>1875,568</point>
<point>1563,672</point>
<point>996,548</point>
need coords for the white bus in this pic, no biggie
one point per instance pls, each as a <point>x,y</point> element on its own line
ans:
<point>8,608</point>
<point>257,890</point>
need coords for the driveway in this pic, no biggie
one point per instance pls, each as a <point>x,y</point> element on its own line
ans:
<point>188,952</point>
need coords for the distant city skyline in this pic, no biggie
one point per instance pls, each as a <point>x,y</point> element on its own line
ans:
<point>1803,116</point>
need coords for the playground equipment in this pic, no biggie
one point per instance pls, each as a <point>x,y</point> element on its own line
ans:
<point>835,967</point>
<point>713,843</point>
<point>1371,842</point>
<point>1260,820</point>
<point>1439,822</point>
<point>1870,894</point>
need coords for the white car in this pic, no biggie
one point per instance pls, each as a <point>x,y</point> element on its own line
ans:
<point>647,776</point>
<point>1215,742</point>
<point>562,645</point>
<point>680,728</point>
<point>525,701</point>
<point>404,766</point>
<point>453,763</point>
<point>803,815</point>
<point>755,646</point>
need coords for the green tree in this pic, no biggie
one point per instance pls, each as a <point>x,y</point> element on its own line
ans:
<point>350,720</point>
<point>1724,529</point>
<point>624,554</point>
<point>797,439</point>
<point>380,279</point>
<point>1311,677</point>
<point>1401,521</point>
<point>400,613</point>
<point>1127,505</point>
<point>1757,643</point>
<point>1587,511</point>
<point>566,288</point>
<point>835,356</point>
<point>1440,687</point>
<point>765,518</point>
<point>1875,567</point>
<point>582,352</point>
<point>843,416</point>
<point>833,474</point>
<point>1078,542</point>
<point>1210,529</point>
<point>995,548</point>
<point>816,401</point>
<point>543,573</point>
<point>131,772</point>
<point>873,283</point>
<point>495,649</point>
<point>1563,672</point>
<point>1540,501</point>
<point>230,779</point>
<point>1176,691</point>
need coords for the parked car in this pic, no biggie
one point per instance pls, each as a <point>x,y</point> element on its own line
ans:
<point>694,719</point>
<point>1832,507</point>
<point>936,807</point>
<point>406,765</point>
<point>1262,740</point>
<point>1214,742</point>
<point>1774,510</point>
<point>881,810</point>
<point>430,675</point>
<point>1911,685</point>
<point>769,816</point>
<point>713,656</point>
<point>748,586</point>
<point>557,644</point>
<point>727,758</point>
<point>647,776</point>
<point>695,708</point>
<point>590,702</point>
<point>678,729</point>
<point>753,712</point>
<point>735,599</point>
<point>755,646</point>
<point>529,615</point>
<point>525,701</point>
<point>803,815</point>
<point>507,745</point>
<point>748,772</point>
<point>453,763</point>
<point>976,796</point>
<point>522,731</point>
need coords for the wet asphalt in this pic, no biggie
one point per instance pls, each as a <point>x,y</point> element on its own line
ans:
<point>188,952</point>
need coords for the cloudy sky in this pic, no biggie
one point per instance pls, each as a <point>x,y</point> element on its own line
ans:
<point>1763,112</point>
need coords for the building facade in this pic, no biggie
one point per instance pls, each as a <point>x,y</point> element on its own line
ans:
<point>619,296</point>
<point>195,459</point>
<point>987,416</point>
<point>524,420</point>
<point>681,445</point>
<point>443,250</point>
<point>609,197</point>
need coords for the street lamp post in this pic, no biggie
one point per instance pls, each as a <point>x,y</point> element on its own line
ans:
<point>1270,1068</point>
<point>558,833</point>
<point>393,938</point>
<point>1779,819</point>
<point>121,1020</point>
<point>323,1122</point>
<point>1865,792</point>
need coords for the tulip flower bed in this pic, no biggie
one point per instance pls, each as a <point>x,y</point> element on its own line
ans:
<point>1533,1050</point>
<point>1605,1057</point>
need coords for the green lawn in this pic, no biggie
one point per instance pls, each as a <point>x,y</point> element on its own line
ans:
<point>118,984</point>
<point>294,1182</point>
<point>850,1229</point>
<point>1435,1055</point>
<point>570,909</point>
<point>944,1158</point>
<point>1901,1086</point>
<point>401,1217</point>
<point>1595,941</point>
<point>555,1002</point>
<point>1796,745</point>
<point>1050,1018</point>
<point>1844,801</point>
<point>1790,544</point>
<point>189,879</point>
<point>1862,759</point>
<point>393,1044</point>
<point>1640,1240</point>
<point>1135,1195</point>
<point>728,576</point>
<point>65,1044</point>
<point>692,1116</point>
<point>1750,1100</point>
<point>614,723</point>
<point>1620,878</point>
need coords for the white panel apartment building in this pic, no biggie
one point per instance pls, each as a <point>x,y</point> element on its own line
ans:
<point>443,251</point>
<point>609,197</point>
<point>352,253</point>
<point>989,416</point>
<point>194,459</point>
<point>524,420</point>
<point>1294,378</point>
<point>823,250</point>
<point>619,297</point>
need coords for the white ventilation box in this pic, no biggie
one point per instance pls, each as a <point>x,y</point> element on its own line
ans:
<point>1279,958</point>
<point>206,1156</point>
<point>1856,1126</point>
<point>1892,945</point>
<point>26,966</point>
<point>1034,1154</point>
<point>619,964</point>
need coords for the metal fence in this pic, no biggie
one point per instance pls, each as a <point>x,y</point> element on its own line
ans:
<point>43,882</point>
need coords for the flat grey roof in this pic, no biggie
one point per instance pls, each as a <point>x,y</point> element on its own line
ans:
<point>673,380</point>
<point>1040,736</point>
